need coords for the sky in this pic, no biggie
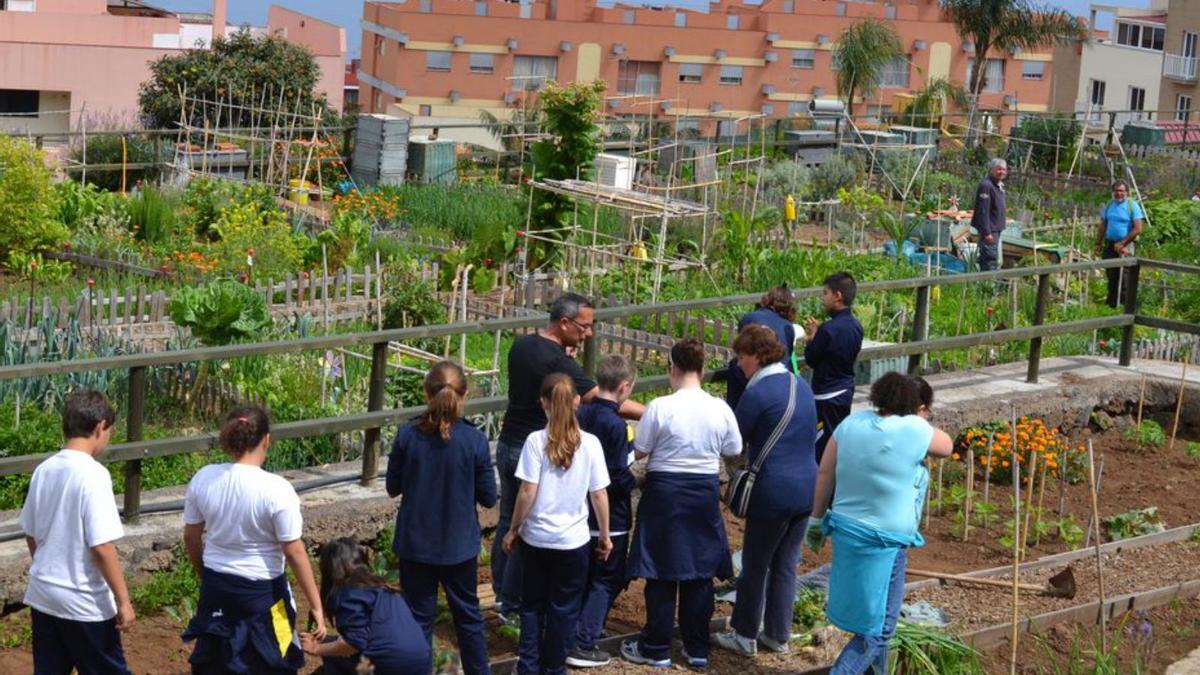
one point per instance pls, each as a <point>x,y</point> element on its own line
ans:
<point>348,13</point>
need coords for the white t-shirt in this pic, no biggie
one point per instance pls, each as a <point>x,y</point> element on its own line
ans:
<point>247,513</point>
<point>687,432</point>
<point>558,518</point>
<point>70,509</point>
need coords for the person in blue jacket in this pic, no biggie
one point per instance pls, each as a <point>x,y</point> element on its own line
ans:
<point>831,352</point>
<point>441,466</point>
<point>606,578</point>
<point>373,622</point>
<point>1120,225</point>
<point>777,311</point>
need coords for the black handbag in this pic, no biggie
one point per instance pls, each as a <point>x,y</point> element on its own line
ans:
<point>742,483</point>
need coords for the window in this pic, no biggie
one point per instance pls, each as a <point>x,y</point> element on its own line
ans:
<point>1137,35</point>
<point>835,61</point>
<point>797,108</point>
<point>638,77</point>
<point>727,129</point>
<point>691,73</point>
<point>789,6</point>
<point>1183,107</point>
<point>376,101</point>
<point>731,21</point>
<point>481,9</point>
<point>425,110</point>
<point>1189,44</point>
<point>437,61</point>
<point>889,12</point>
<point>879,112</point>
<point>1033,70</point>
<point>483,64</point>
<point>680,20</point>
<point>1097,89</point>
<point>993,75</point>
<point>531,72</point>
<point>19,103</point>
<point>895,73</point>
<point>380,45</point>
<point>731,75</point>
<point>426,6</point>
<point>1137,98</point>
<point>630,16</point>
<point>804,58</point>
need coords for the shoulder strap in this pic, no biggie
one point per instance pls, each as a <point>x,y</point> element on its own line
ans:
<point>779,428</point>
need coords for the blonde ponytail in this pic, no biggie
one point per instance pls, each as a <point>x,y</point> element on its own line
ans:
<point>446,391</point>
<point>562,428</point>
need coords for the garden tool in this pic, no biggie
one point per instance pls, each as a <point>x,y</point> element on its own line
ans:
<point>1061,585</point>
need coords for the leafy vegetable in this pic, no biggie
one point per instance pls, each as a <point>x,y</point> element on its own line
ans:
<point>221,312</point>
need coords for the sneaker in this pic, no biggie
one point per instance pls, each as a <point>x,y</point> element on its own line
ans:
<point>777,647</point>
<point>510,619</point>
<point>697,662</point>
<point>632,653</point>
<point>731,641</point>
<point>587,658</point>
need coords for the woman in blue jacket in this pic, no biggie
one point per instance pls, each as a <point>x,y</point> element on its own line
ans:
<point>777,311</point>
<point>441,466</point>
<point>781,498</point>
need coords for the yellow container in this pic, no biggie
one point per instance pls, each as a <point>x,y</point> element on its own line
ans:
<point>299,191</point>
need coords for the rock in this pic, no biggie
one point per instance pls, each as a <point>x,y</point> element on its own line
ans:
<point>1102,420</point>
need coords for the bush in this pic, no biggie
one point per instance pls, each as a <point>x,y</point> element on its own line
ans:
<point>838,172</point>
<point>152,215</point>
<point>107,148</point>
<point>220,312</point>
<point>247,231</point>
<point>28,201</point>
<point>1036,138</point>
<point>781,178</point>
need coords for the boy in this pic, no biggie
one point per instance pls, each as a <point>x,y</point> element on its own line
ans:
<point>77,593</point>
<point>599,417</point>
<point>831,351</point>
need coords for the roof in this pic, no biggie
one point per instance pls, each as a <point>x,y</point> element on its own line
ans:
<point>352,74</point>
<point>1175,132</point>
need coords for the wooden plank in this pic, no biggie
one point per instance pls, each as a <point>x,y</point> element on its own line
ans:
<point>128,306</point>
<point>64,312</point>
<point>114,308</point>
<point>139,317</point>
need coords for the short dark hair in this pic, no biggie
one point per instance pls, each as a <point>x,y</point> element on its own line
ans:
<point>243,429</point>
<point>842,282</point>
<point>613,371</point>
<point>687,355</point>
<point>760,342</point>
<point>781,301</point>
<point>925,392</point>
<point>83,410</point>
<point>1117,182</point>
<point>896,394</point>
<point>567,306</point>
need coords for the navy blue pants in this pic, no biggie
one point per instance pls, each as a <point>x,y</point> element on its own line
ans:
<point>506,569</point>
<point>829,416</point>
<point>90,647</point>
<point>420,583</point>
<point>606,580</point>
<point>695,613</point>
<point>553,587</point>
<point>766,591</point>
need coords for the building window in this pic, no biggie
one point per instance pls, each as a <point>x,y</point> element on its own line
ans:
<point>380,45</point>
<point>804,58</point>
<point>483,64</point>
<point>426,6</point>
<point>376,101</point>
<point>993,75</point>
<point>889,12</point>
<point>425,110</point>
<point>437,61</point>
<point>731,75</point>
<point>19,103</point>
<point>630,16</point>
<point>1033,70</point>
<point>835,61</point>
<point>797,108</point>
<point>691,73</point>
<point>895,73</point>
<point>480,9</point>
<point>879,112</point>
<point>1137,35</point>
<point>1137,98</point>
<point>1097,89</point>
<point>1183,107</point>
<point>638,77</point>
<point>727,129</point>
<point>680,20</point>
<point>526,10</point>
<point>731,21</point>
<point>789,6</point>
<point>531,72</point>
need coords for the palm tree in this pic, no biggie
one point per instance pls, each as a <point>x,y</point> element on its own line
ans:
<point>862,52</point>
<point>1005,25</point>
<point>929,102</point>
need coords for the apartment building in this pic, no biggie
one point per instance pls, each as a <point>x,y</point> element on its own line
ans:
<point>62,58</point>
<point>1178,91</point>
<point>450,59</point>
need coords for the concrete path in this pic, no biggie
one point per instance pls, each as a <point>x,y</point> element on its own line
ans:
<point>1188,665</point>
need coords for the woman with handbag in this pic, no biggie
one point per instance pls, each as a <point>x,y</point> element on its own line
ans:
<point>777,416</point>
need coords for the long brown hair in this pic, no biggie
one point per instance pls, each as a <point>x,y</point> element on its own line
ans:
<point>344,564</point>
<point>562,428</point>
<point>446,389</point>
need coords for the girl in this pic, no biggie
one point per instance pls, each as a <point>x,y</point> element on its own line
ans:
<point>372,620</point>
<point>441,464</point>
<point>240,525</point>
<point>559,466</point>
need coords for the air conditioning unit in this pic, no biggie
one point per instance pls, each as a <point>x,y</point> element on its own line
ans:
<point>615,171</point>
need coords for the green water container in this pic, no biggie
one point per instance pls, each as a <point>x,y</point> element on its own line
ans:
<point>432,161</point>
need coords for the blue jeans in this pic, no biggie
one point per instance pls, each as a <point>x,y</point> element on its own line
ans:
<point>990,255</point>
<point>606,580</point>
<point>506,570</point>
<point>770,553</point>
<point>867,654</point>
<point>550,608</point>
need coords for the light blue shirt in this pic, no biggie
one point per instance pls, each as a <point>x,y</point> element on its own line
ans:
<point>880,478</point>
<point>1117,221</point>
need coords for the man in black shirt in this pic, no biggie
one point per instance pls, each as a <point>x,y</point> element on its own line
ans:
<point>990,215</point>
<point>530,359</point>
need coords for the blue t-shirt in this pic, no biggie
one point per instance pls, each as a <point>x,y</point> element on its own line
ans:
<point>880,479</point>
<point>1117,220</point>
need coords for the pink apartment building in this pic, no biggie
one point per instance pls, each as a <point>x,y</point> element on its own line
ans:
<point>445,59</point>
<point>60,58</point>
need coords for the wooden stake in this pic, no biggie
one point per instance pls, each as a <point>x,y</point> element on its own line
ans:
<point>1179,402</point>
<point>1141,401</point>
<point>1037,538</point>
<point>1099,486</point>
<point>987,471</point>
<point>1096,529</point>
<point>1016,571</point>
<point>1032,473</point>
<point>970,489</point>
<point>941,465</point>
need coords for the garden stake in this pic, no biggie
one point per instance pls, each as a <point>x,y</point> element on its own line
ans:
<point>1028,501</point>
<point>927,500</point>
<point>1016,573</point>
<point>970,488</point>
<point>1099,484</point>
<point>1094,487</point>
<point>1141,401</point>
<point>1179,402</point>
<point>941,463</point>
<point>1062,489</point>
<point>1037,537</point>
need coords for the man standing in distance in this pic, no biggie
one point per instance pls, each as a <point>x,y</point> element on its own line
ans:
<point>990,215</point>
<point>530,359</point>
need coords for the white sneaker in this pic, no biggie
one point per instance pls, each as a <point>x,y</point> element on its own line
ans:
<point>777,647</point>
<point>731,641</point>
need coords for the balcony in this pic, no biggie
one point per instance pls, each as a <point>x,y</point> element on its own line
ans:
<point>1179,67</point>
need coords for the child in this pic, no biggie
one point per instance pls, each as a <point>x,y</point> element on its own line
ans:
<point>372,620</point>
<point>559,466</point>
<point>606,579</point>
<point>77,594</point>
<point>240,525</point>
<point>441,464</point>
<point>831,352</point>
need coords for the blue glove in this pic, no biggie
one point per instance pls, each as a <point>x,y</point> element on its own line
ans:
<point>814,537</point>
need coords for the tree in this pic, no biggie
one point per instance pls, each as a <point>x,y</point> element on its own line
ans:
<point>28,201</point>
<point>242,71</point>
<point>1004,25</point>
<point>929,102</point>
<point>862,52</point>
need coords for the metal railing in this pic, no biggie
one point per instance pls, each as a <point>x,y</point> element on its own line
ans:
<point>375,417</point>
<point>1179,67</point>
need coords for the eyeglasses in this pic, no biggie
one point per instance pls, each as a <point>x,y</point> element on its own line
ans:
<point>585,327</point>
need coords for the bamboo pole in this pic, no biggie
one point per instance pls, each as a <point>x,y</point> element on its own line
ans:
<point>1141,401</point>
<point>987,470</point>
<point>1032,473</point>
<point>1037,537</point>
<point>1179,402</point>
<point>941,465</point>
<point>1016,571</point>
<point>1099,486</point>
<point>1096,528</point>
<point>970,490</point>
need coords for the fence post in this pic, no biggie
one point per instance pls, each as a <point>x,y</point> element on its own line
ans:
<point>133,432</point>
<point>920,330</point>
<point>1039,316</point>
<point>1131,303</point>
<point>371,445</point>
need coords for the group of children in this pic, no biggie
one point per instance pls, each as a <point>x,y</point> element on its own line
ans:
<point>572,520</point>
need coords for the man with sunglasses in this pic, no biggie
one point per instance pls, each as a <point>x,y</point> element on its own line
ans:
<point>530,359</point>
